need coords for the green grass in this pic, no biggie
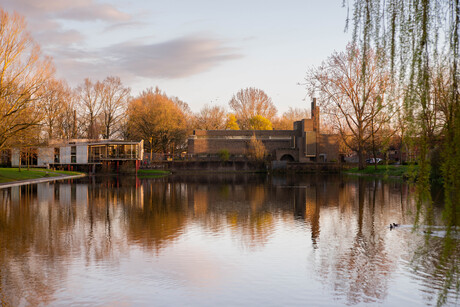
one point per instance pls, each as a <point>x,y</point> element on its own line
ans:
<point>13,174</point>
<point>151,173</point>
<point>405,171</point>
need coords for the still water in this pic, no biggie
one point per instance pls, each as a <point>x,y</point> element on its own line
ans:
<point>219,240</point>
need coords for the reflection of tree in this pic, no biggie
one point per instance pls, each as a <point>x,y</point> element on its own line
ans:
<point>162,217</point>
<point>432,260</point>
<point>358,265</point>
<point>44,228</point>
<point>29,242</point>
<point>243,209</point>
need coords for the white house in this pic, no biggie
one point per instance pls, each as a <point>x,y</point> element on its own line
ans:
<point>71,153</point>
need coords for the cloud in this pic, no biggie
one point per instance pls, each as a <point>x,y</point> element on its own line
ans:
<point>104,12</point>
<point>75,59</point>
<point>177,58</point>
<point>81,10</point>
<point>59,37</point>
<point>120,25</point>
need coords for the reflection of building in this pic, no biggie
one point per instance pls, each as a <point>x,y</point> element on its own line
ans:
<point>304,143</point>
<point>78,154</point>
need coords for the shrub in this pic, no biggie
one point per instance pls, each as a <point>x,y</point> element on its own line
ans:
<point>224,154</point>
<point>256,149</point>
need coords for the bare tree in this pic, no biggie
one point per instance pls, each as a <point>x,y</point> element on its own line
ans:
<point>186,111</point>
<point>211,118</point>
<point>285,122</point>
<point>250,102</point>
<point>67,123</point>
<point>353,96</point>
<point>89,96</point>
<point>114,102</point>
<point>23,72</point>
<point>54,101</point>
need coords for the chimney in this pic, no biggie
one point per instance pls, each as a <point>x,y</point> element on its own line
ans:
<point>315,115</point>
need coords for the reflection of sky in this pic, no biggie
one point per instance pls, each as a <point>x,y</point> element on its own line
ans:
<point>318,242</point>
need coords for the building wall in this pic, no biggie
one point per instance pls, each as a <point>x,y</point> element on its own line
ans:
<point>82,154</point>
<point>45,156</point>
<point>15,157</point>
<point>64,157</point>
<point>329,145</point>
<point>242,133</point>
<point>234,146</point>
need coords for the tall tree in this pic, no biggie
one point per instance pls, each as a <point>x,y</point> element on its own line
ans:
<point>68,121</point>
<point>55,97</point>
<point>23,72</point>
<point>211,118</point>
<point>356,98</point>
<point>286,121</point>
<point>412,34</point>
<point>90,104</point>
<point>250,102</point>
<point>231,122</point>
<point>154,117</point>
<point>114,102</point>
<point>259,122</point>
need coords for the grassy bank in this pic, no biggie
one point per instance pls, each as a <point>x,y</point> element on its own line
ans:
<point>13,174</point>
<point>403,171</point>
<point>152,173</point>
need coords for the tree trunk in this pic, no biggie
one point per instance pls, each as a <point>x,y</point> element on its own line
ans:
<point>361,164</point>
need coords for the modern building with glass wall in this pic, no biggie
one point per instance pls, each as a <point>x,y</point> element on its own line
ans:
<point>81,154</point>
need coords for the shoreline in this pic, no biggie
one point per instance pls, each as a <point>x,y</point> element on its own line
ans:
<point>38,180</point>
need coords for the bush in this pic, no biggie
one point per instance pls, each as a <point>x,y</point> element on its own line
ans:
<point>224,155</point>
<point>256,150</point>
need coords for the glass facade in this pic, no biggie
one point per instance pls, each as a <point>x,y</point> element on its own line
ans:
<point>98,153</point>
<point>73,154</point>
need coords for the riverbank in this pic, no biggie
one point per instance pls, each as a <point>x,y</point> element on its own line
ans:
<point>396,171</point>
<point>12,176</point>
<point>152,173</point>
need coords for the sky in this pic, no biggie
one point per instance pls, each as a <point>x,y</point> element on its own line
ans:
<point>201,51</point>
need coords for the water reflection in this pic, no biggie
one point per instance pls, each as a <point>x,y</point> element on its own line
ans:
<point>238,236</point>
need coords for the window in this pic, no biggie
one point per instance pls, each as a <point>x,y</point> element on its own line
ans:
<point>97,152</point>
<point>73,154</point>
<point>28,156</point>
<point>57,152</point>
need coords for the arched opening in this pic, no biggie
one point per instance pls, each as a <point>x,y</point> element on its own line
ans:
<point>287,158</point>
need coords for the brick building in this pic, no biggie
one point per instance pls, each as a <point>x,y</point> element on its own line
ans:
<point>304,143</point>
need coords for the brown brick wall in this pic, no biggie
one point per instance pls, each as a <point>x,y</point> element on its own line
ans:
<point>234,146</point>
<point>244,133</point>
<point>329,145</point>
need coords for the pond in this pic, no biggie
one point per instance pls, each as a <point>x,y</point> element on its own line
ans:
<point>220,240</point>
